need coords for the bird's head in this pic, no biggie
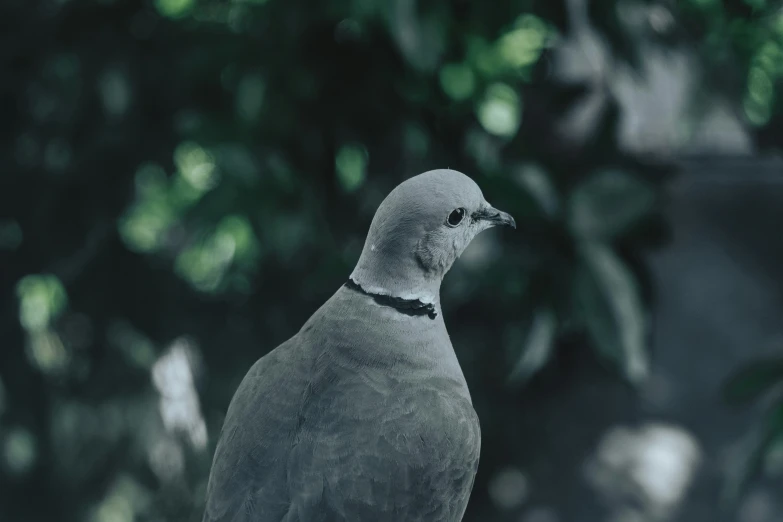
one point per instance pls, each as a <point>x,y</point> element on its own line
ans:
<point>418,232</point>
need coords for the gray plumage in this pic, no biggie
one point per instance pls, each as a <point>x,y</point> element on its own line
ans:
<point>364,414</point>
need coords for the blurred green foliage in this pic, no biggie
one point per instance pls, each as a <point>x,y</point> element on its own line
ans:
<point>747,38</point>
<point>759,380</point>
<point>185,181</point>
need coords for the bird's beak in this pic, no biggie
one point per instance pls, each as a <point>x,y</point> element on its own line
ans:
<point>494,217</point>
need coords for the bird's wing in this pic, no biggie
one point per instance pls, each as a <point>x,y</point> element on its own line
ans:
<point>374,447</point>
<point>248,478</point>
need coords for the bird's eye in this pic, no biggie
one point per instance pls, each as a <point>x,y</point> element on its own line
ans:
<point>456,217</point>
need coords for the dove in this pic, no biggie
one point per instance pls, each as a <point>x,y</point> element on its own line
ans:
<point>364,414</point>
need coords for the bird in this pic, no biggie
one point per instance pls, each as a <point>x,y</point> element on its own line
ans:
<point>364,414</point>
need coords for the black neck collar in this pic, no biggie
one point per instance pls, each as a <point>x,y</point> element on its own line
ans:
<point>404,306</point>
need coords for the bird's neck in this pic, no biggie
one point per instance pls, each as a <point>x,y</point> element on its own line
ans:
<point>398,278</point>
<point>404,306</point>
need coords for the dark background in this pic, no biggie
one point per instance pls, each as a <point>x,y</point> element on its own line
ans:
<point>183,182</point>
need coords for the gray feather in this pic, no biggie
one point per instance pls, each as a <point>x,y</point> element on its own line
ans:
<point>364,414</point>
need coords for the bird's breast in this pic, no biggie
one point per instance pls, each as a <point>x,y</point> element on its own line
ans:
<point>412,444</point>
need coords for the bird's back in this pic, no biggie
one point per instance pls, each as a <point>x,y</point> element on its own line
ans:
<point>248,477</point>
<point>363,415</point>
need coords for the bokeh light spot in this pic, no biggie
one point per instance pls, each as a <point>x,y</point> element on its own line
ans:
<point>760,85</point>
<point>19,450</point>
<point>508,488</point>
<point>523,45</point>
<point>196,165</point>
<point>500,111</point>
<point>114,88</point>
<point>250,97</point>
<point>180,410</point>
<point>351,165</point>
<point>758,114</point>
<point>174,8</point>
<point>41,299</point>
<point>47,352</point>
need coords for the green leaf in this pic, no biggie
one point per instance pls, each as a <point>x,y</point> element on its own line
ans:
<point>608,204</point>
<point>538,183</point>
<point>753,381</point>
<point>608,300</point>
<point>537,346</point>
<point>457,81</point>
<point>751,462</point>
